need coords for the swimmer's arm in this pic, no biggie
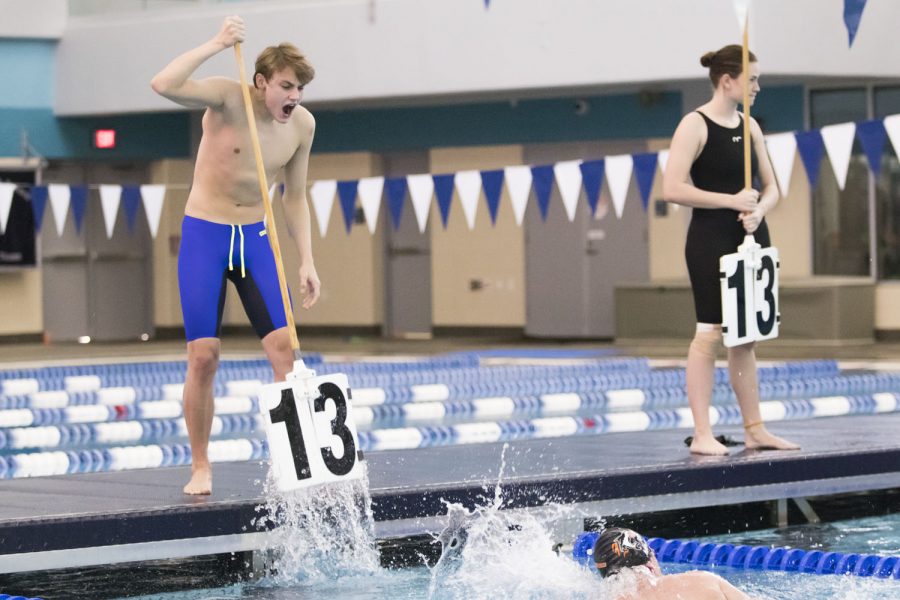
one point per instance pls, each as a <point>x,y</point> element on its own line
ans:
<point>685,147</point>
<point>296,208</point>
<point>174,81</point>
<point>769,195</point>
<point>730,592</point>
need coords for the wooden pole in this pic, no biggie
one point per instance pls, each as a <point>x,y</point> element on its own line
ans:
<point>264,191</point>
<point>745,61</point>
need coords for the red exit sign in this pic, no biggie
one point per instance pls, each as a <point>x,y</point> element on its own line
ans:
<point>104,138</point>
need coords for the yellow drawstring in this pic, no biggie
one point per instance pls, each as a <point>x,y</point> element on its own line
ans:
<point>231,251</point>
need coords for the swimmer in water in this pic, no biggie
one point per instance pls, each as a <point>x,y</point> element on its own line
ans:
<point>618,552</point>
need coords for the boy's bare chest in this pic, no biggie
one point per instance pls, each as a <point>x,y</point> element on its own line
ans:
<point>277,144</point>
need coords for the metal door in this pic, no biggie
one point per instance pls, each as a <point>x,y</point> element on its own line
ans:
<point>572,268</point>
<point>96,287</point>
<point>407,258</point>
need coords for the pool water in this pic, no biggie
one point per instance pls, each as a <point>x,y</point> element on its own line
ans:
<point>871,535</point>
<point>325,547</point>
<point>512,557</point>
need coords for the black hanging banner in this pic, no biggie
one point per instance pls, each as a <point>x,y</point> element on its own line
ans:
<point>17,243</point>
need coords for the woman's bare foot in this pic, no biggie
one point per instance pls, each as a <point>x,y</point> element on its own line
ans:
<point>707,445</point>
<point>759,438</point>
<point>200,483</point>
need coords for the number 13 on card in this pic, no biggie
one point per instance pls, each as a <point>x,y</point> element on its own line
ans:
<point>749,282</point>
<point>310,429</point>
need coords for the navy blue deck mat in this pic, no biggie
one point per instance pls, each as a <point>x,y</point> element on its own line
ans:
<point>99,509</point>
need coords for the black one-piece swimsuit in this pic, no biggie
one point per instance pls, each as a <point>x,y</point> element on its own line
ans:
<point>715,232</point>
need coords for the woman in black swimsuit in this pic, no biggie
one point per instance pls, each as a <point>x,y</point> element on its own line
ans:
<point>705,171</point>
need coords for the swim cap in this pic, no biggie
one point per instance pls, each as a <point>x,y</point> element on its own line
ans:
<point>617,549</point>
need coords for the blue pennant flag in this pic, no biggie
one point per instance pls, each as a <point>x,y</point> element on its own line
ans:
<point>492,182</point>
<point>131,200</point>
<point>542,182</point>
<point>811,148</point>
<point>487,4</point>
<point>38,204</point>
<point>872,136</point>
<point>592,179</point>
<point>852,14</point>
<point>396,195</point>
<point>347,195</point>
<point>644,172</point>
<point>443,189</point>
<point>78,202</point>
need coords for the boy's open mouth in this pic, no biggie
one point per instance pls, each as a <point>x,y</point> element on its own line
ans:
<point>287,109</point>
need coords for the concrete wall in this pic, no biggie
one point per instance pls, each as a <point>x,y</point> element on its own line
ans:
<point>368,52</point>
<point>33,19</point>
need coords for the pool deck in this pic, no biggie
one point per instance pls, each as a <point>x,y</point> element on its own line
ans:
<point>99,518</point>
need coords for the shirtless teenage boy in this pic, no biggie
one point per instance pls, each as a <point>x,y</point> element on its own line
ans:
<point>223,232</point>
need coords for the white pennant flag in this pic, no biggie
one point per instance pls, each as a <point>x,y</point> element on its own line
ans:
<point>783,151</point>
<point>370,190</point>
<point>6,197</point>
<point>152,198</point>
<point>110,196</point>
<point>839,145</point>
<point>618,177</point>
<point>892,125</point>
<point>662,158</point>
<point>60,194</point>
<point>518,182</point>
<point>322,194</point>
<point>568,180</point>
<point>741,10</point>
<point>421,191</point>
<point>468,185</point>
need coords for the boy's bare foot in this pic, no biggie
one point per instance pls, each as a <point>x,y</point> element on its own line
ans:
<point>200,483</point>
<point>757,437</point>
<point>707,445</point>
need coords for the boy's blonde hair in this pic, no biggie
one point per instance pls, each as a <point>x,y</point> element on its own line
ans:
<point>284,55</point>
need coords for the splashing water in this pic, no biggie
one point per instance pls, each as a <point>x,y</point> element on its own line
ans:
<point>320,533</point>
<point>489,553</point>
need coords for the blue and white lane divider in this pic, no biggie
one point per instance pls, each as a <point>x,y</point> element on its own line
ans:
<point>92,377</point>
<point>139,431</point>
<point>370,415</point>
<point>382,422</point>
<point>774,382</point>
<point>499,431</point>
<point>51,424</point>
<point>99,413</point>
<point>151,456</point>
<point>625,392</point>
<point>625,372</point>
<point>622,373</point>
<point>629,372</point>
<point>760,558</point>
<point>652,395</point>
<point>154,421</point>
<point>125,458</point>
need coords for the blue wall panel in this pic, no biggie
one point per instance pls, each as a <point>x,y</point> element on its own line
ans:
<point>526,121</point>
<point>27,73</point>
<point>144,136</point>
